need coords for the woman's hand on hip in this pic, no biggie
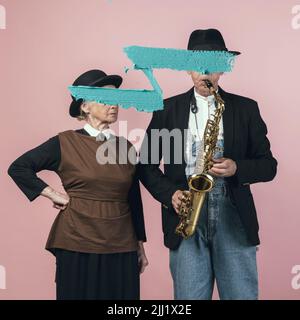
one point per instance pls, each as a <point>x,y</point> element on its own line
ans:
<point>143,261</point>
<point>60,200</point>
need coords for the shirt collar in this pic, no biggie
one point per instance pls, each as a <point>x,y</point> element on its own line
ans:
<point>95,132</point>
<point>198,96</point>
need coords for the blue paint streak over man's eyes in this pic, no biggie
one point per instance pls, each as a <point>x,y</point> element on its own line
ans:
<point>176,59</point>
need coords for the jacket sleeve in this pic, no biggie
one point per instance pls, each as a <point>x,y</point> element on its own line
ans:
<point>24,169</point>
<point>136,208</point>
<point>157,183</point>
<point>260,165</point>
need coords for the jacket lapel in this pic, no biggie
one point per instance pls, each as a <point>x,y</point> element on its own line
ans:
<point>228,121</point>
<point>183,109</point>
<point>182,122</point>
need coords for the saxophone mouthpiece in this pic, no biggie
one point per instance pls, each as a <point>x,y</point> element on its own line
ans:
<point>208,83</point>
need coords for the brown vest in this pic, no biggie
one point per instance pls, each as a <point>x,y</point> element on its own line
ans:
<point>97,218</point>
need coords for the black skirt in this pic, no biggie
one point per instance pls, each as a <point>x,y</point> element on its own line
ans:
<point>91,276</point>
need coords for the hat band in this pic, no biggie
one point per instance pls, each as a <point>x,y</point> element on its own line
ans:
<point>209,47</point>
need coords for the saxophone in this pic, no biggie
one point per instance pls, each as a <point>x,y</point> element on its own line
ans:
<point>200,183</point>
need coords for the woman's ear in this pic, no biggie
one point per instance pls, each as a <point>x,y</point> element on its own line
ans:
<point>85,107</point>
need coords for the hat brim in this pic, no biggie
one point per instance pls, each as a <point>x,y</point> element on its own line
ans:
<point>114,80</point>
<point>236,53</point>
<point>204,48</point>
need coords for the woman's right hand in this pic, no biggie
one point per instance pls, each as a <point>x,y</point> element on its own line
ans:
<point>60,200</point>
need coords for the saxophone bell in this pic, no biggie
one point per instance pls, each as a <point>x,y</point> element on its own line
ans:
<point>201,182</point>
<point>192,203</point>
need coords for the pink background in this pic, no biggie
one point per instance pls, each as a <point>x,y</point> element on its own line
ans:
<point>48,43</point>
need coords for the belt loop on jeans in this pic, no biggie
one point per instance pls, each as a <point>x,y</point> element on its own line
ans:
<point>225,190</point>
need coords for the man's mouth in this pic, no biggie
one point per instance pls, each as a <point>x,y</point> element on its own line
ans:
<point>202,83</point>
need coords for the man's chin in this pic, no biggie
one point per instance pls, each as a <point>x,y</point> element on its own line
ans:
<point>203,91</point>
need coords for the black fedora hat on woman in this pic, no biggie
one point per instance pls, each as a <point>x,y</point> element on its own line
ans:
<point>208,40</point>
<point>92,78</point>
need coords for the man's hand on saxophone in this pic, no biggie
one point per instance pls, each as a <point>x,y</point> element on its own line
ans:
<point>177,198</point>
<point>223,167</point>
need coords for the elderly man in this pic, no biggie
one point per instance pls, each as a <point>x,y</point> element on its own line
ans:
<point>223,248</point>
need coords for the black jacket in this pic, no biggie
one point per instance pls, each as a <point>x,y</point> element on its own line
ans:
<point>245,142</point>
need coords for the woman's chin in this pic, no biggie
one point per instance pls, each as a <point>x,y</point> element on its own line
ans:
<point>112,119</point>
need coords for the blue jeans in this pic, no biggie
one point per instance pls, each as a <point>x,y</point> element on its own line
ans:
<point>218,251</point>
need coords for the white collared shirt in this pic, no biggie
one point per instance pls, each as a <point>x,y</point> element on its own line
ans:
<point>95,132</point>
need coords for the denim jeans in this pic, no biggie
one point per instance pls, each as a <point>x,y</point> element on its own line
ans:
<point>218,252</point>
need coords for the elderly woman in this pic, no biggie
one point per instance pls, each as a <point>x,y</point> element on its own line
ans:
<point>97,237</point>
